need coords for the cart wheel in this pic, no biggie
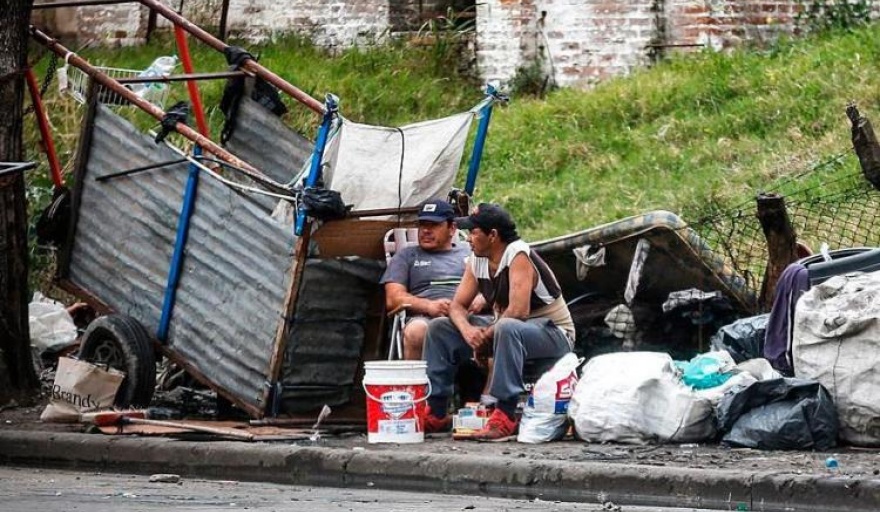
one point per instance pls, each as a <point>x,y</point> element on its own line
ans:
<point>121,342</point>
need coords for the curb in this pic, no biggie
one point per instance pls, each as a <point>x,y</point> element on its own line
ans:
<point>502,477</point>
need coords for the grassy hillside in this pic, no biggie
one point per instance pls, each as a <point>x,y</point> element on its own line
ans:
<point>696,129</point>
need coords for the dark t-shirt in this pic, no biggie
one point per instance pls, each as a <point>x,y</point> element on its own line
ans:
<point>430,275</point>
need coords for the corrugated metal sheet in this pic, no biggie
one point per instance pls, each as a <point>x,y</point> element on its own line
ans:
<point>231,291</point>
<point>261,139</point>
<point>126,228</point>
<point>326,339</point>
<point>236,268</point>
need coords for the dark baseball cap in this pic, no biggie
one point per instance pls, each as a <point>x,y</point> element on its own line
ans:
<point>436,210</point>
<point>487,217</point>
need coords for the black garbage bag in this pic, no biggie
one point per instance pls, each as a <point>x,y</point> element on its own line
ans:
<point>324,204</point>
<point>779,414</point>
<point>743,339</point>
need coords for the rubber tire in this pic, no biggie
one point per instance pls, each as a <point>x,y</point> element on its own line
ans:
<point>121,342</point>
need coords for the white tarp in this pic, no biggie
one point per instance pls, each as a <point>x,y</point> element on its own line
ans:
<point>363,162</point>
<point>638,397</point>
<point>836,341</point>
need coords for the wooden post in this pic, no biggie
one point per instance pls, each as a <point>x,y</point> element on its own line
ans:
<point>781,243</point>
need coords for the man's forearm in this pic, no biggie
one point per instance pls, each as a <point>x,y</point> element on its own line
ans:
<point>458,315</point>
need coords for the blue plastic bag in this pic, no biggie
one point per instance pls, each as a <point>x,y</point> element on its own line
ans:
<point>706,370</point>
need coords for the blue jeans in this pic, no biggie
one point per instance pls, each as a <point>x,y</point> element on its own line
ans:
<point>514,342</point>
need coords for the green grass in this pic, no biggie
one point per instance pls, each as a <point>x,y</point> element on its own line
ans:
<point>698,128</point>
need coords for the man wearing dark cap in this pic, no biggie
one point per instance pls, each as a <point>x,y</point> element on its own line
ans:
<point>531,321</point>
<point>424,277</point>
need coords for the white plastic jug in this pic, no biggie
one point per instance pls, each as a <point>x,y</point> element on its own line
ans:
<point>161,66</point>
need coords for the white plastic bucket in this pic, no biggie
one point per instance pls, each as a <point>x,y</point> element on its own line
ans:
<point>396,394</point>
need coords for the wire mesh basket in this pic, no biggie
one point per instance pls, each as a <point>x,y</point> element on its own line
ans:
<point>154,92</point>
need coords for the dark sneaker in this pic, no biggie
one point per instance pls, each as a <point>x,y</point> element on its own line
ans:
<point>433,424</point>
<point>498,426</point>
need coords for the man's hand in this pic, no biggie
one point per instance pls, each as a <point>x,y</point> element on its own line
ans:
<point>436,308</point>
<point>475,337</point>
<point>477,305</point>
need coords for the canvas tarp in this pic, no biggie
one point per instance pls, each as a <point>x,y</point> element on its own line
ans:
<point>379,167</point>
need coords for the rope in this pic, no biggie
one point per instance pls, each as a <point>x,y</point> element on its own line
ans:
<point>400,175</point>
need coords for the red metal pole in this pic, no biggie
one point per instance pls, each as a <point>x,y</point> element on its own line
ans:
<point>191,85</point>
<point>249,65</point>
<point>45,133</point>
<point>207,144</point>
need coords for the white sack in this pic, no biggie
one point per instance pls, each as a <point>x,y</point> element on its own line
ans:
<point>836,341</point>
<point>545,416</point>
<point>638,397</point>
<point>50,324</point>
<point>363,162</point>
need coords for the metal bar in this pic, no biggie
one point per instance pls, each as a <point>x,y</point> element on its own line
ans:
<point>479,143</point>
<point>81,3</point>
<point>181,128</point>
<point>383,211</point>
<point>182,77</point>
<point>224,18</point>
<point>183,222</point>
<point>276,362</point>
<point>83,151</point>
<point>151,25</point>
<point>249,65</point>
<point>139,169</point>
<point>7,168</point>
<point>192,87</point>
<point>43,125</point>
<point>332,107</point>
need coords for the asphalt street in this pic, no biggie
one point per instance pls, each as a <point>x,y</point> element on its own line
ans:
<point>30,489</point>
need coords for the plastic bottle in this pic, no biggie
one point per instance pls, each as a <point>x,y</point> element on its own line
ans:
<point>161,66</point>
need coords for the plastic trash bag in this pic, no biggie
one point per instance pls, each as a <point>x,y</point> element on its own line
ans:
<point>51,326</point>
<point>545,417</point>
<point>638,397</point>
<point>779,414</point>
<point>743,339</point>
<point>707,370</point>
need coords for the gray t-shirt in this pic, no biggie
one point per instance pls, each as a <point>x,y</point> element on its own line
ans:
<point>430,275</point>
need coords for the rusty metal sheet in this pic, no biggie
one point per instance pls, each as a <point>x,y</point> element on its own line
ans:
<point>324,348</point>
<point>261,139</point>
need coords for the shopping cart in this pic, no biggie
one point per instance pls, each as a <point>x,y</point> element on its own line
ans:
<point>154,92</point>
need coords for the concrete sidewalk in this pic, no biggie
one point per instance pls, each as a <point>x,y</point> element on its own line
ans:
<point>494,469</point>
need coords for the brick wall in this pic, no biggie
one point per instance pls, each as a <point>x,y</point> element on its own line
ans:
<point>574,42</point>
<point>329,23</point>
<point>123,24</point>
<point>579,42</point>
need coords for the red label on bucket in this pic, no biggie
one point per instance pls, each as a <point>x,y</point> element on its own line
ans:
<point>395,413</point>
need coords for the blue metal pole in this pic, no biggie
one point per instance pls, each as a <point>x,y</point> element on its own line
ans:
<point>189,199</point>
<point>480,141</point>
<point>332,107</point>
